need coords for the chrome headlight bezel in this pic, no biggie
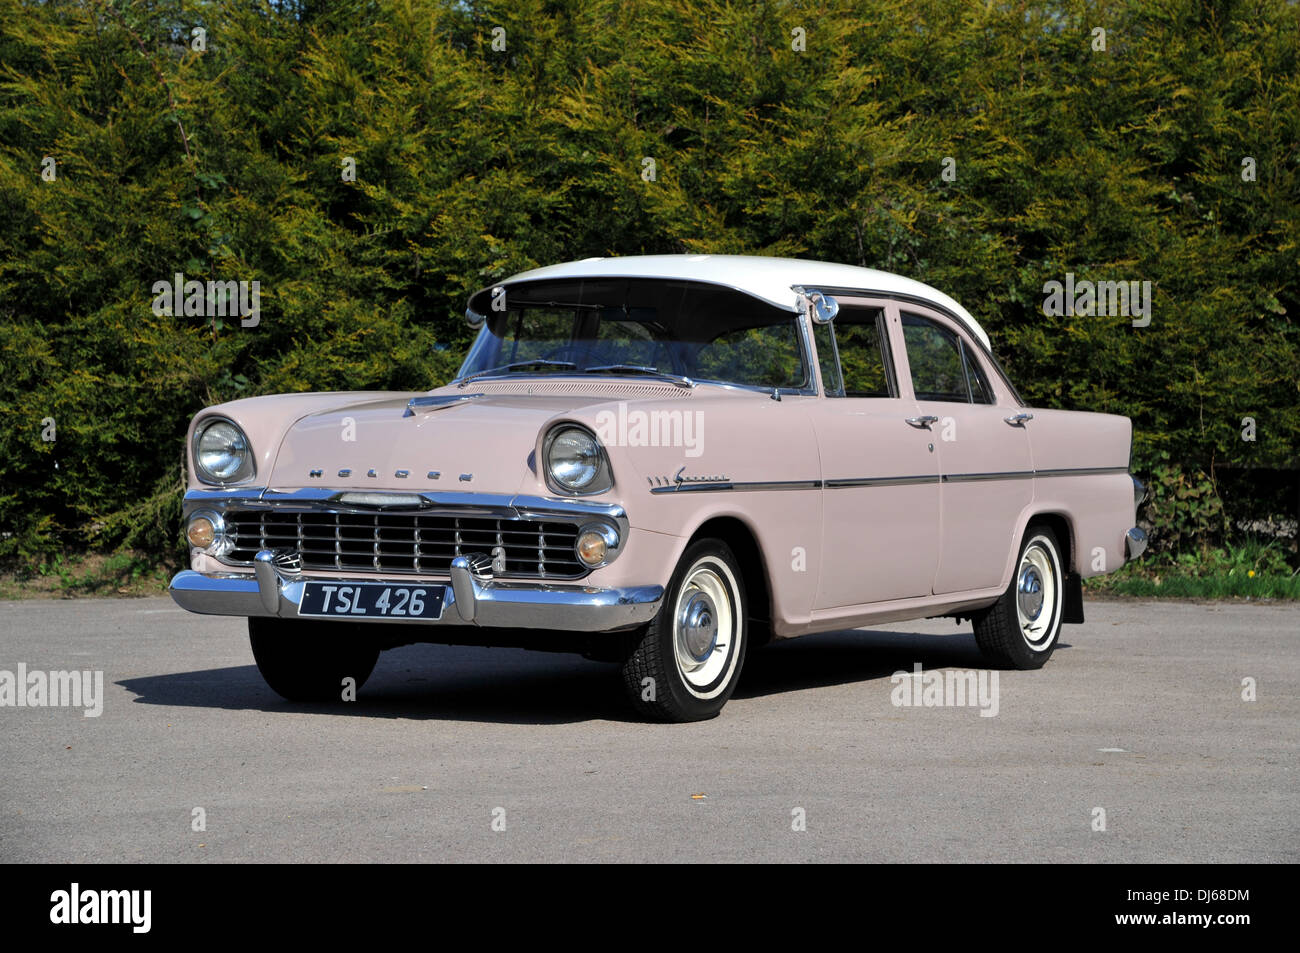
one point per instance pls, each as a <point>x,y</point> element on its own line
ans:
<point>608,534</point>
<point>245,471</point>
<point>602,478</point>
<point>221,541</point>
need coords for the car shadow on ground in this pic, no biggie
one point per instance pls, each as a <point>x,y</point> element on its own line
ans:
<point>861,655</point>
<point>515,686</point>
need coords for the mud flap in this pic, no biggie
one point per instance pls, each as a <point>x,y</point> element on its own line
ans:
<point>1072,609</point>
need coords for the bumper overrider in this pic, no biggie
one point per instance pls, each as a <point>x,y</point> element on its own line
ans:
<point>1135,539</point>
<point>470,596</point>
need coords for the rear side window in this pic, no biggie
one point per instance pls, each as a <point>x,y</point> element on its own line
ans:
<point>942,366</point>
<point>934,354</point>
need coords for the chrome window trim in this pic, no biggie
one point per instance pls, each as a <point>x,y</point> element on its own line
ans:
<point>946,312</point>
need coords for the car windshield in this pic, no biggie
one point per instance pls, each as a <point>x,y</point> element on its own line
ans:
<point>678,331</point>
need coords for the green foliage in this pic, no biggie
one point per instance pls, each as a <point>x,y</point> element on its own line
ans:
<point>473,163</point>
<point>1251,569</point>
<point>1184,510</point>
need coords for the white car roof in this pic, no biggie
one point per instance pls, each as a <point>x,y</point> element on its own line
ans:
<point>770,279</point>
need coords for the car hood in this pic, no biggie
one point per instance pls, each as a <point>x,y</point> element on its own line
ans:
<point>483,442</point>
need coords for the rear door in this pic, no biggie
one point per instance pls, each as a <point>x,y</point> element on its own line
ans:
<point>983,452</point>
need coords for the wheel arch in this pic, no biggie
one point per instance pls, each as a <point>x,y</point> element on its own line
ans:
<point>1062,528</point>
<point>753,567</point>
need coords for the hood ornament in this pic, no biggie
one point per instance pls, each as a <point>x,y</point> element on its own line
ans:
<point>435,402</point>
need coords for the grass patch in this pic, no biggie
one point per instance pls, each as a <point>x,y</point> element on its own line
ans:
<point>119,574</point>
<point>1248,570</point>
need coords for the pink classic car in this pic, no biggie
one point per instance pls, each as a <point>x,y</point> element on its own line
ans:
<point>661,462</point>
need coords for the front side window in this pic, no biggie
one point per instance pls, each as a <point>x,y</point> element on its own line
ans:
<point>864,358</point>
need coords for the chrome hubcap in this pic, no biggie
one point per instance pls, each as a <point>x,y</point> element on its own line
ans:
<point>1029,593</point>
<point>698,626</point>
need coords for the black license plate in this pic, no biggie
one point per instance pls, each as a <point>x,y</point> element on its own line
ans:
<point>371,600</point>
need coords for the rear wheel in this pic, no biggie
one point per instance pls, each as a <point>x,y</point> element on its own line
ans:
<point>1021,629</point>
<point>685,664</point>
<point>308,661</point>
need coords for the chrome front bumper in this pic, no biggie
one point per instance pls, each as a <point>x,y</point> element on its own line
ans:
<point>469,600</point>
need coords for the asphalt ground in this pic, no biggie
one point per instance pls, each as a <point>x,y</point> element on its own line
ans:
<point>469,754</point>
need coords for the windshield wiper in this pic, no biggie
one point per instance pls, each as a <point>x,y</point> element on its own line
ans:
<point>517,366</point>
<point>677,379</point>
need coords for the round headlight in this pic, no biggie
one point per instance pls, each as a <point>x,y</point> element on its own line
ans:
<point>573,459</point>
<point>222,453</point>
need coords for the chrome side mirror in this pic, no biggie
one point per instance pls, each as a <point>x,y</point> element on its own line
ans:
<point>822,308</point>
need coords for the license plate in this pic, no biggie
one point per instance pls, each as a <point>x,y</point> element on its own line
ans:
<point>371,600</point>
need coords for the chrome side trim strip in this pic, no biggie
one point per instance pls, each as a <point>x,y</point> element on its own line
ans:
<point>976,477</point>
<point>779,485</point>
<point>882,481</point>
<point>1080,471</point>
<point>751,485</point>
<point>851,482</point>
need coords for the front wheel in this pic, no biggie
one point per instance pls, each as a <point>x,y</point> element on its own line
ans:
<point>1021,629</point>
<point>309,661</point>
<point>685,664</point>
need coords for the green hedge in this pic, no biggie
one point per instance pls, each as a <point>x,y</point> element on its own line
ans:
<point>473,163</point>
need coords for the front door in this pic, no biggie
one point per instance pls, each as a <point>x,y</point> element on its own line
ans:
<point>880,533</point>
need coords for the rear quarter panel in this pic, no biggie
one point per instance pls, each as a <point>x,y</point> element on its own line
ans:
<point>1099,506</point>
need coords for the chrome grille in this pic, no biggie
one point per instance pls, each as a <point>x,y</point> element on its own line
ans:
<point>405,543</point>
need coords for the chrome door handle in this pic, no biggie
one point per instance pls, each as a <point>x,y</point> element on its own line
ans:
<point>1018,420</point>
<point>923,421</point>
